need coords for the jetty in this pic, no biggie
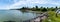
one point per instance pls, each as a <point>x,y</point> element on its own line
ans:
<point>38,18</point>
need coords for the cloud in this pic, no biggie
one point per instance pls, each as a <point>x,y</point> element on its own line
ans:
<point>28,2</point>
<point>33,2</point>
<point>5,4</point>
<point>20,3</point>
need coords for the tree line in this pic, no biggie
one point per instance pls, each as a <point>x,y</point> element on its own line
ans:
<point>36,8</point>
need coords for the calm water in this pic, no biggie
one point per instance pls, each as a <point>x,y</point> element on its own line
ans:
<point>15,15</point>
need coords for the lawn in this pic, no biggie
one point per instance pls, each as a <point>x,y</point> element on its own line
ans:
<point>52,17</point>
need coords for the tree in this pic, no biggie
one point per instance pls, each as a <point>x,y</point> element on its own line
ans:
<point>44,10</point>
<point>36,7</point>
<point>56,10</point>
<point>56,6</point>
<point>22,8</point>
<point>47,8</point>
<point>41,8</point>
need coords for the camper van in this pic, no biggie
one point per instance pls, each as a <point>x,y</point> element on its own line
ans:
<point>58,11</point>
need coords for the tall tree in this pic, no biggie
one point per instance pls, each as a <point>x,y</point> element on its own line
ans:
<point>56,10</point>
<point>44,10</point>
<point>36,7</point>
<point>47,8</point>
<point>41,7</point>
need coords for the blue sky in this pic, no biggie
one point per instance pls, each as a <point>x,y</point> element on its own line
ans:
<point>8,4</point>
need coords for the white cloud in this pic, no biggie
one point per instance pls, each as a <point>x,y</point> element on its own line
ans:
<point>29,2</point>
<point>20,3</point>
<point>4,7</point>
<point>55,3</point>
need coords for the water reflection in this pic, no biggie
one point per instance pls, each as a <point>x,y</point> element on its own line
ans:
<point>9,21</point>
<point>15,15</point>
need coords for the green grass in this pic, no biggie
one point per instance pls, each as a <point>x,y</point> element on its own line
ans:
<point>52,16</point>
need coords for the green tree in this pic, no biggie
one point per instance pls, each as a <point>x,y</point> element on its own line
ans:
<point>22,8</point>
<point>47,8</point>
<point>36,7</point>
<point>41,8</point>
<point>56,10</point>
<point>44,10</point>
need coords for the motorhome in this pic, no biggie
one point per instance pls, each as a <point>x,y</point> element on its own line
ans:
<point>58,11</point>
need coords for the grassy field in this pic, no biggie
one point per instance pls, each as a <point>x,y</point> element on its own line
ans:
<point>52,17</point>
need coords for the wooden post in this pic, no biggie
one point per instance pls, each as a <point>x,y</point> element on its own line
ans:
<point>56,15</point>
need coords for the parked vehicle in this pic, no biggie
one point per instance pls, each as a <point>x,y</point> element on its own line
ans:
<point>58,11</point>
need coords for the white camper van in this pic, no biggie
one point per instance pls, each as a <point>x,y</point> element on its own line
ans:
<point>58,11</point>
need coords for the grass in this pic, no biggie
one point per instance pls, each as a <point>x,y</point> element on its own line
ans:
<point>52,16</point>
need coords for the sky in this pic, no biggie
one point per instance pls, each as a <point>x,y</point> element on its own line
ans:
<point>12,4</point>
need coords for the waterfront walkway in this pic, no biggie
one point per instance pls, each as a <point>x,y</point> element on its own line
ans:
<point>38,18</point>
